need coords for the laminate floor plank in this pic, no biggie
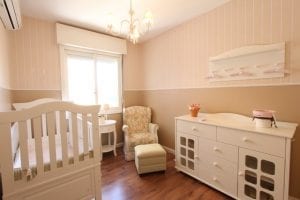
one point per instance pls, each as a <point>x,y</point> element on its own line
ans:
<point>120,181</point>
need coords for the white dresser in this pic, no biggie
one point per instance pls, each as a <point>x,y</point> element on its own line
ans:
<point>228,152</point>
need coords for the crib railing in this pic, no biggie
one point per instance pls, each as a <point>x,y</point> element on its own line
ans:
<point>72,127</point>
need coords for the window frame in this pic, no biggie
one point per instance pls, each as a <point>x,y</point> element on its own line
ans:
<point>77,51</point>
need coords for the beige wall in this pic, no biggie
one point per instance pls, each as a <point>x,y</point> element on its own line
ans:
<point>179,57</point>
<point>4,69</point>
<point>35,56</point>
<point>132,69</point>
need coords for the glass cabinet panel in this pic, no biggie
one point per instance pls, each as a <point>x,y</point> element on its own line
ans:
<point>251,162</point>
<point>250,191</point>
<point>186,152</point>
<point>268,167</point>
<point>261,175</point>
<point>250,177</point>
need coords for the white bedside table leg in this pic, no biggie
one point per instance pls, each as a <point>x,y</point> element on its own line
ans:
<point>109,140</point>
<point>115,141</point>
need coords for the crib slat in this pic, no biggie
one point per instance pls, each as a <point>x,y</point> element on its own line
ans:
<point>6,158</point>
<point>85,136</point>
<point>29,130</point>
<point>63,135</point>
<point>37,129</point>
<point>23,135</point>
<point>51,134</point>
<point>74,133</point>
<point>44,126</point>
<point>96,139</point>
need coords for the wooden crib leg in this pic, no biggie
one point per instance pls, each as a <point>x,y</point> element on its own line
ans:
<point>98,192</point>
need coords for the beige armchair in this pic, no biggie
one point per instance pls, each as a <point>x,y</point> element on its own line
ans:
<point>138,129</point>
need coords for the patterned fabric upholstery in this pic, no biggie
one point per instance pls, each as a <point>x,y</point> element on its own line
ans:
<point>140,138</point>
<point>137,120</point>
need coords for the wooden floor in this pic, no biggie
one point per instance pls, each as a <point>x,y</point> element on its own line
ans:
<point>120,181</point>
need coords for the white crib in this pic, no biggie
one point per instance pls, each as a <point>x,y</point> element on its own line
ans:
<point>50,151</point>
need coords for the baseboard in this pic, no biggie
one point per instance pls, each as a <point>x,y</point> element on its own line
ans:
<point>169,150</point>
<point>293,198</point>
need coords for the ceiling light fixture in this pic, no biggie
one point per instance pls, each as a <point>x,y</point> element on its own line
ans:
<point>135,27</point>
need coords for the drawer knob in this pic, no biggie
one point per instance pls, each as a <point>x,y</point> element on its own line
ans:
<point>196,156</point>
<point>216,149</point>
<point>194,129</point>
<point>215,164</point>
<point>241,173</point>
<point>215,179</point>
<point>245,139</point>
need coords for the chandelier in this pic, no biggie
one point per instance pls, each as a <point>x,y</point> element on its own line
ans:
<point>135,27</point>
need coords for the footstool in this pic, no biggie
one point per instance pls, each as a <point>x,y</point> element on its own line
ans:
<point>150,158</point>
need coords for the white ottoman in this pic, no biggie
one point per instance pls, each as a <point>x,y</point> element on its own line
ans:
<point>150,158</point>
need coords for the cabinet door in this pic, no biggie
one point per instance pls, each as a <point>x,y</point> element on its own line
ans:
<point>186,153</point>
<point>261,176</point>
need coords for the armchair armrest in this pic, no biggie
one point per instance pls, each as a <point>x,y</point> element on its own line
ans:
<point>125,128</point>
<point>153,128</point>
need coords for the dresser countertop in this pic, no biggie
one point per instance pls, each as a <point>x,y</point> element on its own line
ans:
<point>241,122</point>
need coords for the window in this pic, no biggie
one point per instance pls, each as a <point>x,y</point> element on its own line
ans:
<point>92,78</point>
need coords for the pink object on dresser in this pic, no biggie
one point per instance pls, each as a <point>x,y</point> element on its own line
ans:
<point>263,113</point>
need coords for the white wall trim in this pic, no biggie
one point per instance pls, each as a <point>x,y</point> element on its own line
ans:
<point>219,86</point>
<point>169,150</point>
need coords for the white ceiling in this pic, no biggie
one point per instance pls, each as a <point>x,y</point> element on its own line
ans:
<point>91,14</point>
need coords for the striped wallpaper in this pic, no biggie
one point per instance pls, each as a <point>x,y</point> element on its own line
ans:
<point>179,57</point>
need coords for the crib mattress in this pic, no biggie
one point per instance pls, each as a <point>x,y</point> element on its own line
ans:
<point>19,173</point>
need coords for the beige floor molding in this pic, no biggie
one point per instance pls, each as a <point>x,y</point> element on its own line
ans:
<point>169,150</point>
<point>120,144</point>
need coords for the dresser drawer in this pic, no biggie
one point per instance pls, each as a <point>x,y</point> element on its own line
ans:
<point>258,142</point>
<point>221,150</point>
<point>217,165</point>
<point>197,129</point>
<point>226,182</point>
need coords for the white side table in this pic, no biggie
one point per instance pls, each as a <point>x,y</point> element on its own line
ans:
<point>108,127</point>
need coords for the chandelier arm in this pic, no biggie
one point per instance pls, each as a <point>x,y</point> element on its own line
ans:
<point>122,24</point>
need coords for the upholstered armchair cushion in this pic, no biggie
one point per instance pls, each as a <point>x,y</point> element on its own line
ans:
<point>138,129</point>
<point>135,139</point>
<point>137,118</point>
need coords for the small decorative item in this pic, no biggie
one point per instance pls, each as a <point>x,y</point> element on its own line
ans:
<point>194,109</point>
<point>106,108</point>
<point>264,118</point>
<point>101,119</point>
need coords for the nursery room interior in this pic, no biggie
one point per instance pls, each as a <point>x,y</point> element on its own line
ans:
<point>140,99</point>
